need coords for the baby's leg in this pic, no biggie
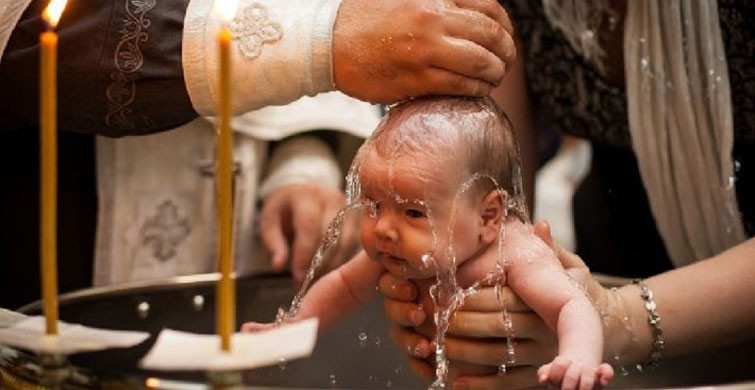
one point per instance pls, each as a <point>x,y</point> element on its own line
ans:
<point>572,374</point>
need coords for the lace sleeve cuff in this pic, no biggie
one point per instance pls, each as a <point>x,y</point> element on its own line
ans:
<point>281,51</point>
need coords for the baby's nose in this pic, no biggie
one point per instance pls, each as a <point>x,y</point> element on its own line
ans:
<point>385,229</point>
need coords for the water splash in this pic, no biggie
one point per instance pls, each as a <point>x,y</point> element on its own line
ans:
<point>445,293</point>
<point>330,239</point>
<point>362,340</point>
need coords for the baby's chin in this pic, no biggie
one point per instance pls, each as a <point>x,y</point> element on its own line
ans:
<point>402,269</point>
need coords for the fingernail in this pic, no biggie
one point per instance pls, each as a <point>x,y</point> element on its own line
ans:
<point>406,292</point>
<point>417,316</point>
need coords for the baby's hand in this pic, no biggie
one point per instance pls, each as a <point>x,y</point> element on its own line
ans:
<point>257,326</point>
<point>573,374</point>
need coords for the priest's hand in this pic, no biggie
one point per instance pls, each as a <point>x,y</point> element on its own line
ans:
<point>386,50</point>
<point>301,213</point>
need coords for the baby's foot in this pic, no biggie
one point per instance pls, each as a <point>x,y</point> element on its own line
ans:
<point>573,374</point>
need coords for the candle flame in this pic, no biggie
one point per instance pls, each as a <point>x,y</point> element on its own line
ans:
<point>53,11</point>
<point>226,9</point>
<point>152,382</point>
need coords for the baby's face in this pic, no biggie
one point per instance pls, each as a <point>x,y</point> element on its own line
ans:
<point>408,214</point>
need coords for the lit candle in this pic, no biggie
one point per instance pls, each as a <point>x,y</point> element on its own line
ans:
<point>48,152</point>
<point>226,313</point>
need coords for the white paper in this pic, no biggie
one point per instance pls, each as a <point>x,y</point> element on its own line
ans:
<point>176,350</point>
<point>30,334</point>
<point>9,318</point>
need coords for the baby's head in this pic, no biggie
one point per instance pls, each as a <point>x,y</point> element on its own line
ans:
<point>432,172</point>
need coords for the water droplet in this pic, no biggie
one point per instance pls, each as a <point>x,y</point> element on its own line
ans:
<point>398,370</point>
<point>737,165</point>
<point>333,381</point>
<point>362,340</point>
<point>142,309</point>
<point>510,353</point>
<point>502,369</point>
<point>198,302</point>
<point>644,63</point>
<point>623,371</point>
<point>711,72</point>
<point>389,384</point>
<point>616,357</point>
<point>426,259</point>
<point>377,341</point>
<point>282,364</point>
<point>508,323</point>
<point>730,182</point>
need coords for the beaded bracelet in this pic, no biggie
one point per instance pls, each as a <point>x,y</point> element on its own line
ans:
<point>655,322</point>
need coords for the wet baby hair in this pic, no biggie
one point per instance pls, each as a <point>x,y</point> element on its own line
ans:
<point>468,132</point>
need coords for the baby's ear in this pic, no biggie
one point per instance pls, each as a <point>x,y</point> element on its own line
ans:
<point>492,212</point>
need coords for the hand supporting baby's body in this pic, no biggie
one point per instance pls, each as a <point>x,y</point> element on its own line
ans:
<point>535,274</point>
<point>532,272</point>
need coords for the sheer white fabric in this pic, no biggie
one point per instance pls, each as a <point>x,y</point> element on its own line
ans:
<point>10,13</point>
<point>680,114</point>
<point>680,119</point>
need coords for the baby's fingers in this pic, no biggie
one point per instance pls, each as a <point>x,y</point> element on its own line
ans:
<point>543,373</point>
<point>256,327</point>
<point>605,374</point>
<point>572,376</point>
<point>587,379</point>
<point>558,369</point>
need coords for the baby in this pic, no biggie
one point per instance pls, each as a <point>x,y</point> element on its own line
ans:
<point>436,178</point>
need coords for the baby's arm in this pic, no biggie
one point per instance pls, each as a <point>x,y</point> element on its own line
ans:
<point>339,292</point>
<point>536,276</point>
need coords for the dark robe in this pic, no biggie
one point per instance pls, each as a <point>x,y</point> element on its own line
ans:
<point>119,74</point>
<point>614,226</point>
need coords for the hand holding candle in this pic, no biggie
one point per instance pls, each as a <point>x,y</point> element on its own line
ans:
<point>48,152</point>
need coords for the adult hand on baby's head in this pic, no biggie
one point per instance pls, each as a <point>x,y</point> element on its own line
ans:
<point>302,212</point>
<point>385,51</point>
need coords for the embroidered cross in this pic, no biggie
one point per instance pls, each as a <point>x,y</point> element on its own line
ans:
<point>165,230</point>
<point>253,29</point>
